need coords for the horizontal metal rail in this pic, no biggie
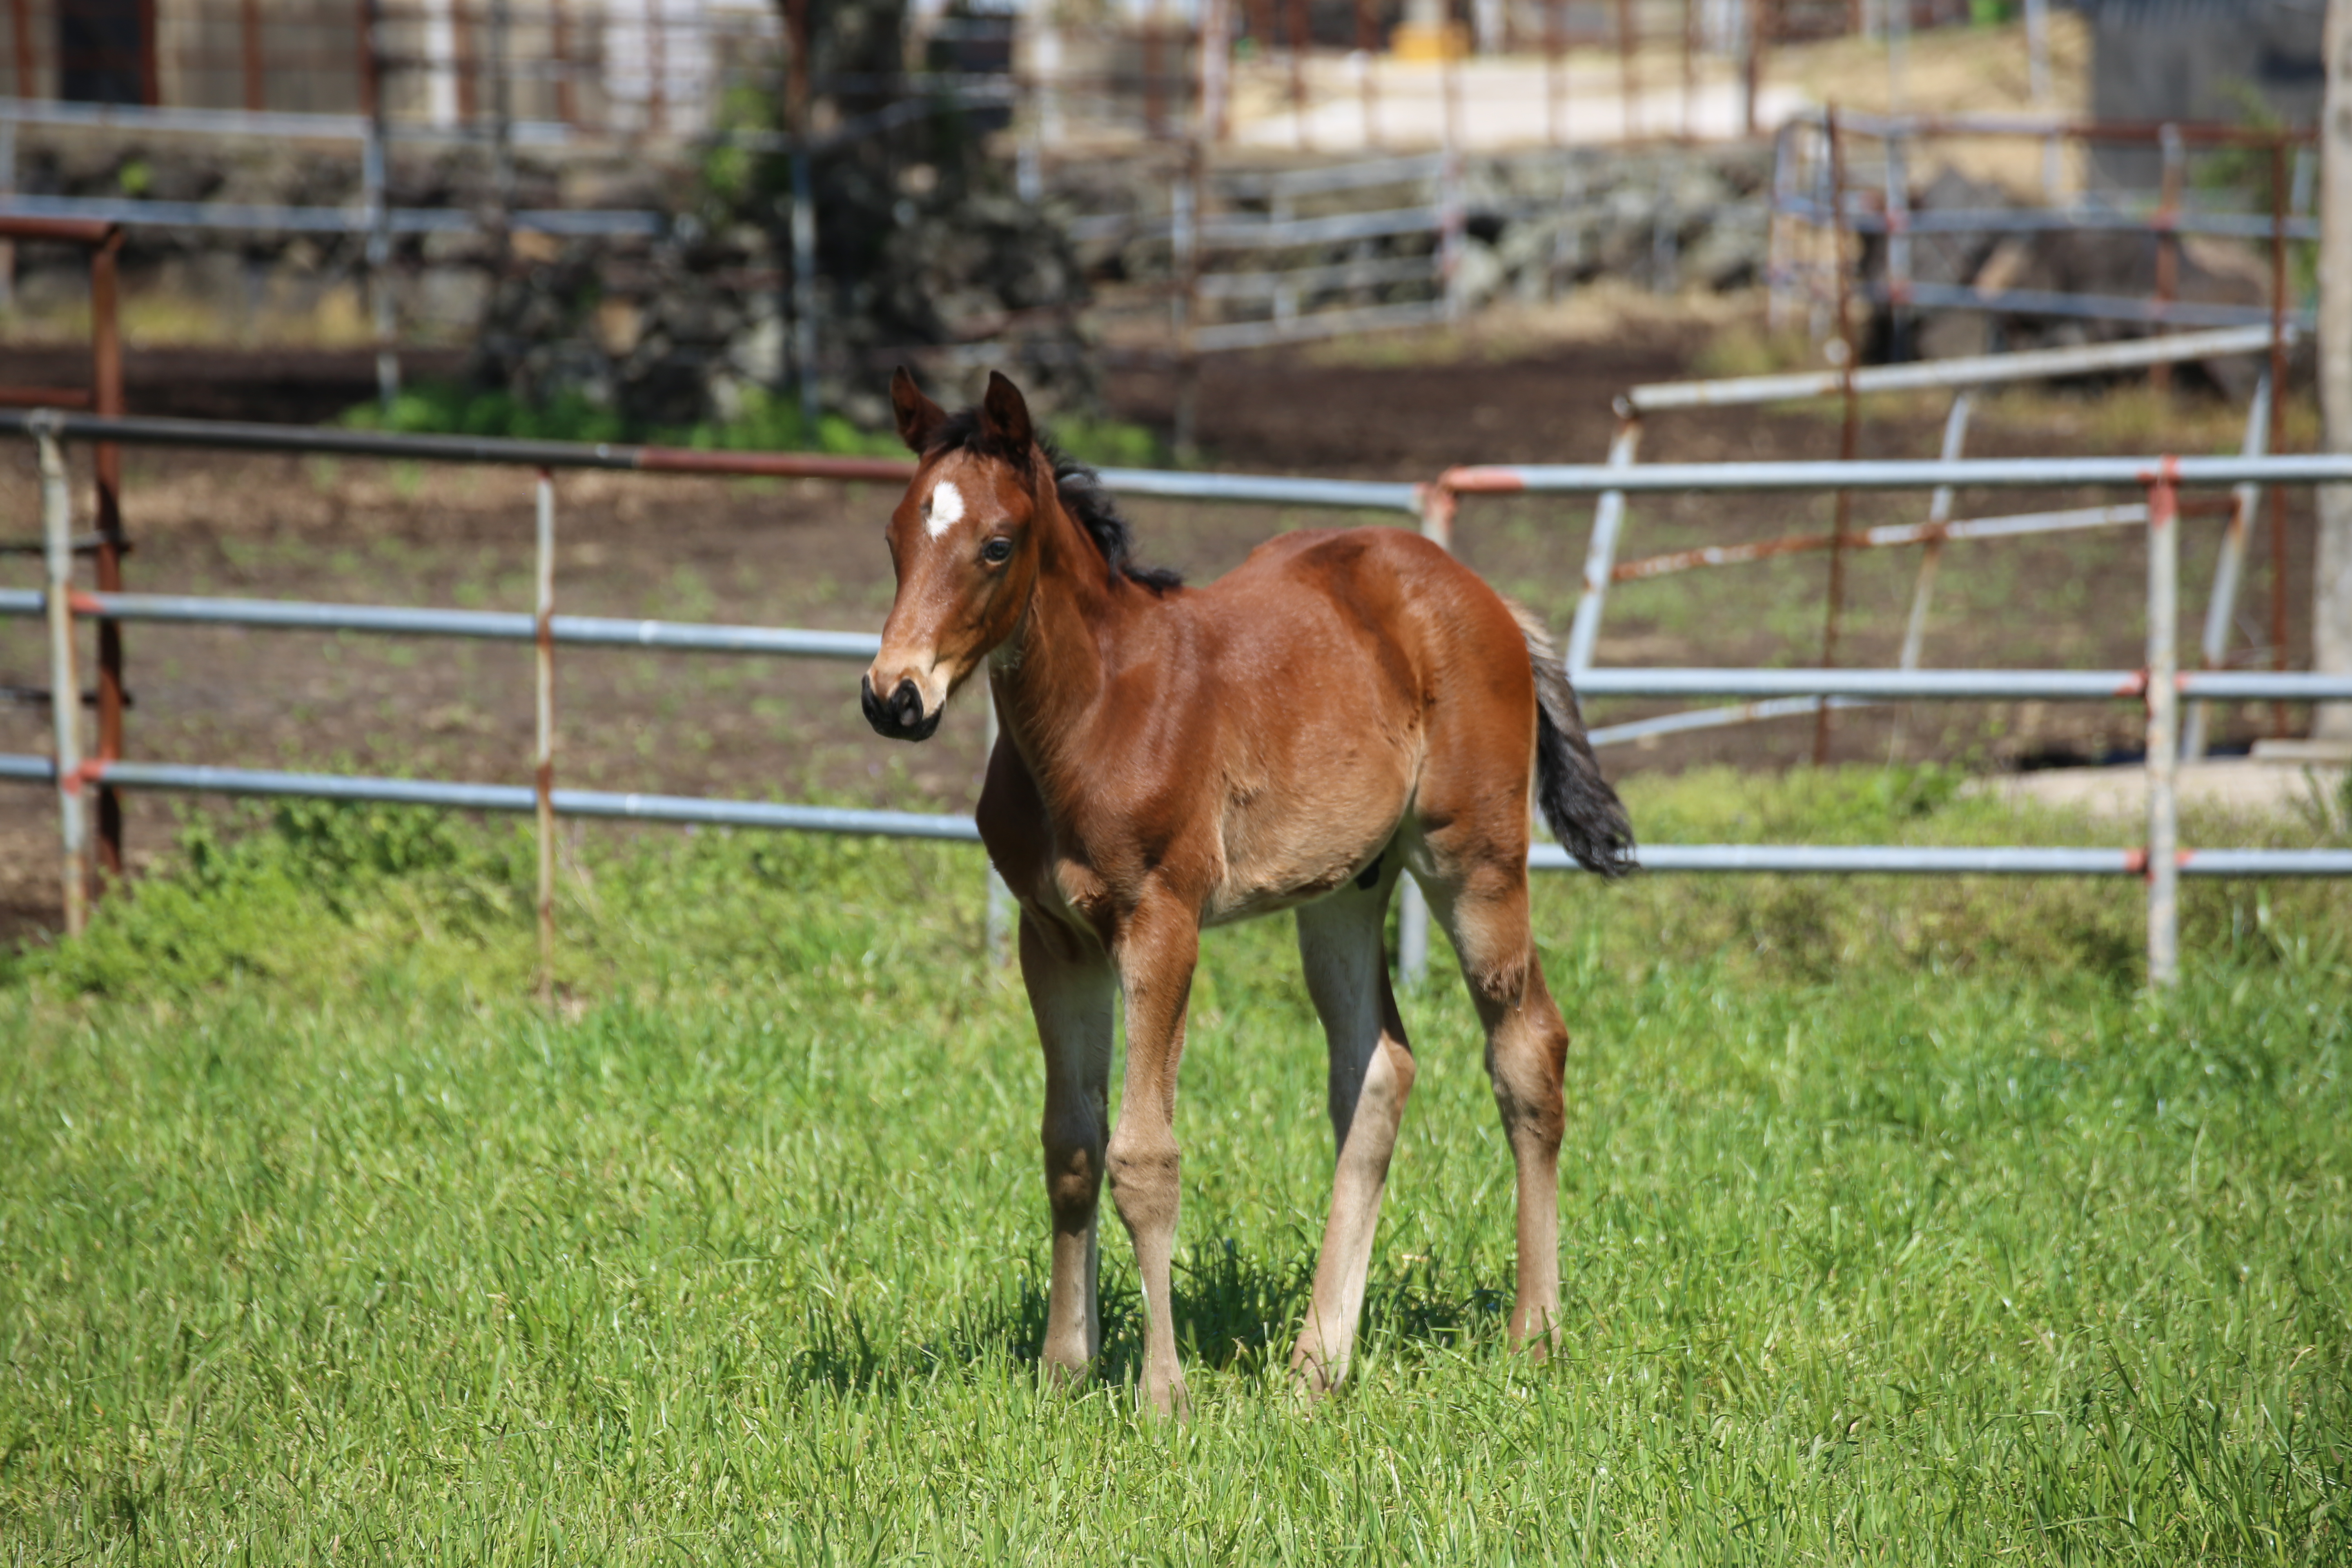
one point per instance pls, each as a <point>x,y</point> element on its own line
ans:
<point>1563,479</point>
<point>274,124</point>
<point>2082,307</point>
<point>1595,478</point>
<point>248,217</point>
<point>264,782</point>
<point>1269,490</point>
<point>327,440</point>
<point>1964,685</point>
<point>2198,133</point>
<point>1884,537</point>
<point>1977,370</point>
<point>1891,860</point>
<point>1694,718</point>
<point>1336,177</point>
<point>1278,233</point>
<point>778,815</point>
<point>1338,275</point>
<point>1861,218</point>
<point>1318,324</point>
<point>488,625</point>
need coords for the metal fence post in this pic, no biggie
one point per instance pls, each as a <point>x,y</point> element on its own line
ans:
<point>1437,506</point>
<point>1450,227</point>
<point>64,683</point>
<point>2163,729</point>
<point>1931,558</point>
<point>2222,608</point>
<point>1601,556</point>
<point>106,470</point>
<point>544,772</point>
<point>375,204</point>
<point>804,304</point>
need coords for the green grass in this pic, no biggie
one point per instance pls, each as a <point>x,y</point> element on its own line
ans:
<point>1894,1241</point>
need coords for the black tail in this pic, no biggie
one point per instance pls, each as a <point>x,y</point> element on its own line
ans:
<point>1584,813</point>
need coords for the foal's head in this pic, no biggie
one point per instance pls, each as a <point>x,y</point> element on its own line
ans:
<point>967,541</point>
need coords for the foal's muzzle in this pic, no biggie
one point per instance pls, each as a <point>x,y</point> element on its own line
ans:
<point>902,717</point>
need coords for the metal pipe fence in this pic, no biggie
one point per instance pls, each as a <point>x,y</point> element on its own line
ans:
<point>1817,200</point>
<point>2158,686</point>
<point>1851,382</point>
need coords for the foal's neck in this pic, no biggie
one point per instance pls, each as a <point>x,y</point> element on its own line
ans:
<point>1048,679</point>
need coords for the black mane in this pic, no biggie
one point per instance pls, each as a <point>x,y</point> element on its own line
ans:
<point>1084,496</point>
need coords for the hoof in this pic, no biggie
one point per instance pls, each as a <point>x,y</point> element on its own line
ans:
<point>1172,1403</point>
<point>1311,1374</point>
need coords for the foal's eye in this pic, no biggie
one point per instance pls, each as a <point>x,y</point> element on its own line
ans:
<point>996,552</point>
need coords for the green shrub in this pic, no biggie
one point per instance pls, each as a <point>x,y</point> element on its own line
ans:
<point>769,421</point>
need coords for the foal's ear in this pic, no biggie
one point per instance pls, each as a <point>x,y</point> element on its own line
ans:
<point>1004,414</point>
<point>919,418</point>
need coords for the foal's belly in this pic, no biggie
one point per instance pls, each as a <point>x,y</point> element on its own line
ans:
<point>1278,856</point>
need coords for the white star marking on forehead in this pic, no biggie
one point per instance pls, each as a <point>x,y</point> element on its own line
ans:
<point>944,510</point>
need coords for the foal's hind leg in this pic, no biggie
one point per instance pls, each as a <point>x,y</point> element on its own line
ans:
<point>1339,940</point>
<point>1479,891</point>
<point>1070,995</point>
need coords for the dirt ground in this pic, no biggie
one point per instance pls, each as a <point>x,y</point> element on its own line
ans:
<point>807,554</point>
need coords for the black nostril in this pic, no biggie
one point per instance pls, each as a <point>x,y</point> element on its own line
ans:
<point>906,705</point>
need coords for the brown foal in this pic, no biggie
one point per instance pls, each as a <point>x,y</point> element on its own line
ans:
<point>1342,708</point>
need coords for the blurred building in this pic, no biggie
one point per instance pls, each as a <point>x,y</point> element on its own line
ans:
<point>2248,61</point>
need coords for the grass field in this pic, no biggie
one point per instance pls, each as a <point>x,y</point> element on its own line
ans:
<point>1900,1226</point>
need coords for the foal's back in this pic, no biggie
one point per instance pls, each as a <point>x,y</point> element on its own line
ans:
<point>1349,672</point>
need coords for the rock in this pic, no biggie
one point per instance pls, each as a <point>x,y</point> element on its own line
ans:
<point>1478,274</point>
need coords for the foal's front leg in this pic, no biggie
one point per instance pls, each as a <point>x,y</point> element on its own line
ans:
<point>1070,995</point>
<point>1156,950</point>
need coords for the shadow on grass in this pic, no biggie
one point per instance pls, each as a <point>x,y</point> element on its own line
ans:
<point>1235,1313</point>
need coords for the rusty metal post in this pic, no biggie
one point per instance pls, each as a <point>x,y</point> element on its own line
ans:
<point>20,19</point>
<point>2221,610</point>
<point>1600,553</point>
<point>567,102</point>
<point>543,761</point>
<point>64,683</point>
<point>2166,225</point>
<point>2163,730</point>
<point>106,401</point>
<point>1155,91</point>
<point>150,75</point>
<point>1849,432</point>
<point>2278,414</point>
